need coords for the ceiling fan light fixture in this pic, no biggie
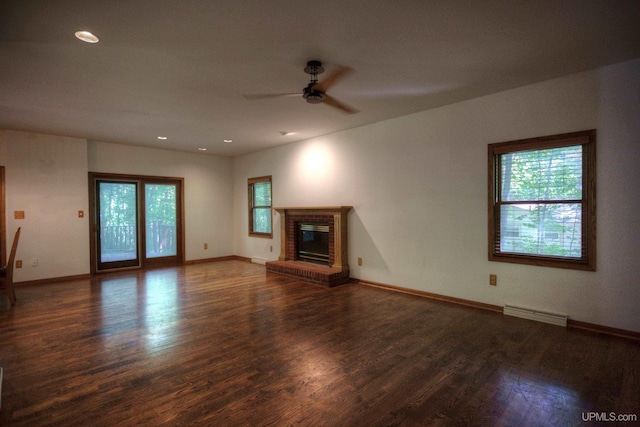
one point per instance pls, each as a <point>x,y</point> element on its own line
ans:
<point>87,37</point>
<point>313,98</point>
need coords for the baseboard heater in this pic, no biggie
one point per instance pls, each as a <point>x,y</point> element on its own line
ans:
<point>540,316</point>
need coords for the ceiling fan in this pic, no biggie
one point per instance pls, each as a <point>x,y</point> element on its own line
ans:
<point>316,92</point>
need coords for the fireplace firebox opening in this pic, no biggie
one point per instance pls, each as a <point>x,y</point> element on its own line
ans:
<point>313,242</point>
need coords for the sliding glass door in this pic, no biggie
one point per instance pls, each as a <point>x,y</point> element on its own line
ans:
<point>160,219</point>
<point>137,221</point>
<point>117,207</point>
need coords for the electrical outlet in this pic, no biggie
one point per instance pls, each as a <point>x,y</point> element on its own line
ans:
<point>493,280</point>
<point>206,246</point>
<point>360,261</point>
<point>270,248</point>
<point>34,262</point>
<point>19,263</point>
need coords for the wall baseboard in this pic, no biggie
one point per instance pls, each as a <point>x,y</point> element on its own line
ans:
<point>123,271</point>
<point>222,258</point>
<point>592,327</point>
<point>430,295</point>
<point>607,330</point>
<point>53,280</point>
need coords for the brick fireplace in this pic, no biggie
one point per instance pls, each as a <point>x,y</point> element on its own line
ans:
<point>337,270</point>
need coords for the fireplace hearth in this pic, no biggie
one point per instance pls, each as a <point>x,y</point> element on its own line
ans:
<point>313,244</point>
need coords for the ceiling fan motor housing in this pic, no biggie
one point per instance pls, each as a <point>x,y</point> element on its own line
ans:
<point>314,68</point>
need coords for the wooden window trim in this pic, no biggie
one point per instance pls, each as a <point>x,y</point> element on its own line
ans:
<point>251,182</point>
<point>588,140</point>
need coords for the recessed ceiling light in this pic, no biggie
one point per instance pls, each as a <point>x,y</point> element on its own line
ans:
<point>87,37</point>
<point>162,138</point>
<point>202,149</point>
<point>226,141</point>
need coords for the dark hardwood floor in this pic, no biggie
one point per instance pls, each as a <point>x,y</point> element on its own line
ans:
<point>226,344</point>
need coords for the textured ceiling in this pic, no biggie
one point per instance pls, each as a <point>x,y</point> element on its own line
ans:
<point>180,68</point>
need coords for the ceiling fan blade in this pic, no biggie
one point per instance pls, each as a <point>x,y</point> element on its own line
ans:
<point>327,99</point>
<point>333,78</point>
<point>270,95</point>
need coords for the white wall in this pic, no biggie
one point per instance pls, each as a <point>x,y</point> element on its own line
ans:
<point>46,177</point>
<point>207,190</point>
<point>418,185</point>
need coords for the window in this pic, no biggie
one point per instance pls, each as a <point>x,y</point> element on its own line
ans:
<point>544,188</point>
<point>260,206</point>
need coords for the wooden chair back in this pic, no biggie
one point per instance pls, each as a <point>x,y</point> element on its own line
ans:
<point>7,280</point>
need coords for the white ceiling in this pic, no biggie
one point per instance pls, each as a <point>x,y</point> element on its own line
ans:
<point>180,68</point>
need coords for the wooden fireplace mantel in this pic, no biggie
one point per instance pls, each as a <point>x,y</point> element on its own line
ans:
<point>339,214</point>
